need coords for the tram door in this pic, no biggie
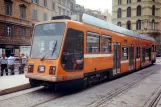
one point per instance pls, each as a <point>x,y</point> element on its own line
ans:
<point>149,55</point>
<point>131,57</point>
<point>143,56</point>
<point>116,59</point>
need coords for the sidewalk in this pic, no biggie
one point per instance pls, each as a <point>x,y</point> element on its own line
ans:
<point>9,84</point>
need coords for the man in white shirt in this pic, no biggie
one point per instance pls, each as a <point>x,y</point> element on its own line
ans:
<point>11,61</point>
<point>23,60</point>
<point>3,62</point>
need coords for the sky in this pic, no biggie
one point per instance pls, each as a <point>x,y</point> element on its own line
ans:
<point>96,4</point>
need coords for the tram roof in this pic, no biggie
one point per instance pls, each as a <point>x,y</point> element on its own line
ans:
<point>93,21</point>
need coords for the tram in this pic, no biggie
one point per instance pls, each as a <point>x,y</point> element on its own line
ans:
<point>89,51</point>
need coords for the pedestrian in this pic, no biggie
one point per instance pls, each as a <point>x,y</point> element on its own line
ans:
<point>3,62</point>
<point>11,62</point>
<point>23,60</point>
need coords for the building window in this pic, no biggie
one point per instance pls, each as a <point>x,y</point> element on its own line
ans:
<point>124,53</point>
<point>153,24</point>
<point>35,1</point>
<point>153,10</point>
<point>106,44</point>
<point>59,10</point>
<point>93,42</point>
<point>119,24</point>
<point>68,13</point>
<point>129,12</point>
<point>45,16</point>
<point>71,5</point>
<point>22,11</point>
<point>45,3</point>
<point>8,30</point>
<point>139,0</point>
<point>138,10</point>
<point>128,1</point>
<point>128,25</point>
<point>119,12</point>
<point>53,6</point>
<point>138,25</point>
<point>153,0</point>
<point>23,32</point>
<point>8,9</point>
<point>63,11</point>
<point>119,2</point>
<point>34,15</point>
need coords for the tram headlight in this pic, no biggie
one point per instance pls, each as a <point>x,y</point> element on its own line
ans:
<point>41,69</point>
<point>30,68</point>
<point>52,70</point>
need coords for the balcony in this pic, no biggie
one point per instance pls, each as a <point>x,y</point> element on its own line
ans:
<point>151,31</point>
<point>25,22</point>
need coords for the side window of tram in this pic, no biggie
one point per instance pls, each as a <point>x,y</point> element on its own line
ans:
<point>153,49</point>
<point>106,44</point>
<point>72,56</point>
<point>124,53</point>
<point>93,42</point>
<point>138,52</point>
<point>147,52</point>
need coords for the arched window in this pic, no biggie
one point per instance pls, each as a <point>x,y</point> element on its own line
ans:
<point>128,1</point>
<point>119,12</point>
<point>139,0</point>
<point>138,25</point>
<point>128,25</point>
<point>138,11</point>
<point>153,24</point>
<point>119,24</point>
<point>153,0</point>
<point>129,12</point>
<point>153,10</point>
<point>119,2</point>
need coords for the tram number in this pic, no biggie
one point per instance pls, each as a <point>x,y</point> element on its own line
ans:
<point>49,62</point>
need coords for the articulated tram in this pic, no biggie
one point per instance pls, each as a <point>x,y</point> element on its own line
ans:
<point>65,50</point>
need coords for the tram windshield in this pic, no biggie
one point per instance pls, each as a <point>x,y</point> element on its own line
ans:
<point>47,40</point>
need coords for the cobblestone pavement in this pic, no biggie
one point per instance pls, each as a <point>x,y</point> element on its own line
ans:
<point>133,90</point>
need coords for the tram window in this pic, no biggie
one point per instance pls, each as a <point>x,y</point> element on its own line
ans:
<point>153,48</point>
<point>147,52</point>
<point>73,52</point>
<point>124,53</point>
<point>138,52</point>
<point>106,43</point>
<point>93,42</point>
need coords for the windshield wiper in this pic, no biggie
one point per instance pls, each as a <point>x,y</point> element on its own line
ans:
<point>54,48</point>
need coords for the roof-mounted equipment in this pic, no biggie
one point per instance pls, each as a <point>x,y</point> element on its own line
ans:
<point>61,17</point>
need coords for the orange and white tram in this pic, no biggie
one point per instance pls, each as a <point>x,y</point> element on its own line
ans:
<point>91,50</point>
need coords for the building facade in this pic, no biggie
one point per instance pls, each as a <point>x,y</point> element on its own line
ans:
<point>142,16</point>
<point>108,15</point>
<point>43,10</point>
<point>15,25</point>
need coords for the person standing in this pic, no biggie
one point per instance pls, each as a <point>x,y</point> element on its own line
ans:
<point>11,61</point>
<point>3,62</point>
<point>23,60</point>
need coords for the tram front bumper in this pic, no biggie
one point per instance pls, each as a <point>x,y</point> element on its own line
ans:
<point>44,78</point>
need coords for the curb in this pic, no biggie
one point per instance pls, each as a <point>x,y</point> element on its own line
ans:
<point>14,89</point>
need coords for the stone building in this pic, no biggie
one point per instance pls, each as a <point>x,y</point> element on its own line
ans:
<point>43,10</point>
<point>142,16</point>
<point>15,25</point>
<point>108,15</point>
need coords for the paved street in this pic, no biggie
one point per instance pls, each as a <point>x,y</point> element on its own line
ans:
<point>134,90</point>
